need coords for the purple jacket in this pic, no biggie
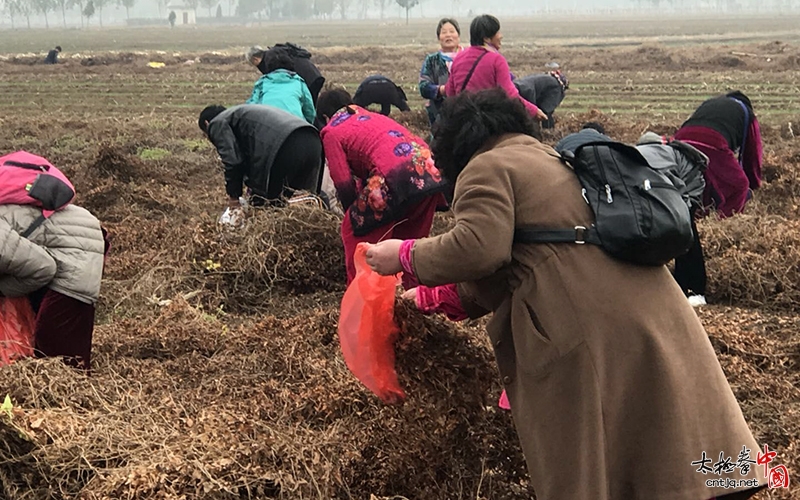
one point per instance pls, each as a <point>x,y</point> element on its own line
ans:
<point>492,71</point>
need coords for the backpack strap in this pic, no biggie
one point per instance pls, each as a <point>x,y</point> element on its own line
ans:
<point>746,127</point>
<point>472,70</point>
<point>34,226</point>
<point>578,235</point>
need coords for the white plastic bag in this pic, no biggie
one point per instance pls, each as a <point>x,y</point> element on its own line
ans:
<point>232,217</point>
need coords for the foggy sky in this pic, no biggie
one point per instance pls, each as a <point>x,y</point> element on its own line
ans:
<point>115,15</point>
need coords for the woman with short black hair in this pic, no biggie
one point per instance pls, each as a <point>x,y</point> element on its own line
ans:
<point>482,67</point>
<point>436,67</point>
<point>608,370</point>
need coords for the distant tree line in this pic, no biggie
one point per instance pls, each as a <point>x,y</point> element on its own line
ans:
<point>19,11</point>
<point>306,9</point>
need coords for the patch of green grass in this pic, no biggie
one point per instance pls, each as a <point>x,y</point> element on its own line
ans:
<point>153,153</point>
<point>195,144</point>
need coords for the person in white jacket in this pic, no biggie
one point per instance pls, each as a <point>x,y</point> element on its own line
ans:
<point>59,267</point>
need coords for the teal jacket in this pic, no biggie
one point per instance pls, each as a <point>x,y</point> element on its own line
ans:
<point>284,90</point>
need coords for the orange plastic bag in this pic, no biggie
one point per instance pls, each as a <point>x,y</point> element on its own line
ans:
<point>16,329</point>
<point>367,330</point>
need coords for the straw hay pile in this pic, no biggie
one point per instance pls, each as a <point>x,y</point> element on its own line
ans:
<point>753,260</point>
<point>189,408</point>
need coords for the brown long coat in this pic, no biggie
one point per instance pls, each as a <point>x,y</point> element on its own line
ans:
<point>614,386</point>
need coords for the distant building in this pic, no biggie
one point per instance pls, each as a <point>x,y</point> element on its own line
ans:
<point>184,14</point>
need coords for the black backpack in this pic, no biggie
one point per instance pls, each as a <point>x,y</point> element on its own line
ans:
<point>640,216</point>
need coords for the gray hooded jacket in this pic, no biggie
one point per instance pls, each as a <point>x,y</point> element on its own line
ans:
<point>682,163</point>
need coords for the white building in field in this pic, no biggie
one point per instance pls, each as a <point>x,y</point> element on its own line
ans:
<point>184,14</point>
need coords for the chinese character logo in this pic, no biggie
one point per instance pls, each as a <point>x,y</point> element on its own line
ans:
<point>705,469</point>
<point>779,477</point>
<point>766,458</point>
<point>744,461</point>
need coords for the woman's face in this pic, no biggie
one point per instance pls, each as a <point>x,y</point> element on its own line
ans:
<point>448,38</point>
<point>495,41</point>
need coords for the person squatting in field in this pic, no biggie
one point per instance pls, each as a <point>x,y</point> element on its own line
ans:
<point>726,130</point>
<point>282,88</point>
<point>377,89</point>
<point>302,64</point>
<point>52,55</point>
<point>57,262</point>
<point>436,67</point>
<point>265,148</point>
<point>545,90</point>
<point>384,175</point>
<point>614,387</point>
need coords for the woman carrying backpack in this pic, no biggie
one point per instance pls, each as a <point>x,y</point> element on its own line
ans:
<point>614,388</point>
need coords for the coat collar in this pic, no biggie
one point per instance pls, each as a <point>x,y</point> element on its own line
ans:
<point>505,140</point>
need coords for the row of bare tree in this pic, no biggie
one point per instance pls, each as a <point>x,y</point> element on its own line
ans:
<point>18,9</point>
<point>305,9</point>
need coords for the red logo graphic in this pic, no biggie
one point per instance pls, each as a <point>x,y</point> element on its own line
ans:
<point>766,458</point>
<point>779,477</point>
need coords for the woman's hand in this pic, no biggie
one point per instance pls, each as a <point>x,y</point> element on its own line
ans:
<point>384,257</point>
<point>540,115</point>
<point>410,294</point>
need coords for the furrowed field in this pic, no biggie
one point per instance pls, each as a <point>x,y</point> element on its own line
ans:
<point>216,366</point>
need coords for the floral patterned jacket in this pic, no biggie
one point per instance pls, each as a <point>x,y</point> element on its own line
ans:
<point>378,166</point>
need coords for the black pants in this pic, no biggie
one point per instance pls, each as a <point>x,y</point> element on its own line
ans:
<point>690,269</point>
<point>383,93</point>
<point>297,165</point>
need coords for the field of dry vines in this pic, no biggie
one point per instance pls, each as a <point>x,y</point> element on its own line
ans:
<point>217,371</point>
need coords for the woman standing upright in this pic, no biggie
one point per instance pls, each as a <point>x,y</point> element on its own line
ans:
<point>482,67</point>
<point>436,67</point>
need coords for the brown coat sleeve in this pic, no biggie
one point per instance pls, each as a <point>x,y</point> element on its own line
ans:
<point>480,243</point>
<point>470,302</point>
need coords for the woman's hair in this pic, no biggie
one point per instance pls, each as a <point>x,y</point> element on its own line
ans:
<point>470,119</point>
<point>594,126</point>
<point>331,101</point>
<point>278,59</point>
<point>208,114</point>
<point>444,21</point>
<point>254,51</point>
<point>483,27</point>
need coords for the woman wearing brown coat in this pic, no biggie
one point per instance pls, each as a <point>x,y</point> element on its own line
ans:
<point>615,390</point>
